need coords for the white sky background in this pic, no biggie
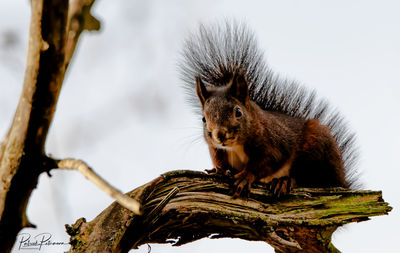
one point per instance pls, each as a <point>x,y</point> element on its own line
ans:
<point>122,109</point>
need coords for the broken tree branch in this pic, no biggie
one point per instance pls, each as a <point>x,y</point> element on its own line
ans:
<point>196,205</point>
<point>88,173</point>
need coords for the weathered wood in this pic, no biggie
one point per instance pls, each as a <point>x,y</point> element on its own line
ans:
<point>22,152</point>
<point>22,157</point>
<point>184,206</point>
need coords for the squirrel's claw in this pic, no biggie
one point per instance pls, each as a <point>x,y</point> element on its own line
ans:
<point>213,171</point>
<point>218,171</point>
<point>243,182</point>
<point>281,186</point>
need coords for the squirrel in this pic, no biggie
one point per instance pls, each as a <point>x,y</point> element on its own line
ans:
<point>258,126</point>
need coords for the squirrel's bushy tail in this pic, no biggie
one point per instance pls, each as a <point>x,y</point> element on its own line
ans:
<point>218,51</point>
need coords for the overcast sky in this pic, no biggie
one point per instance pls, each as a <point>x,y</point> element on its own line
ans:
<point>122,109</point>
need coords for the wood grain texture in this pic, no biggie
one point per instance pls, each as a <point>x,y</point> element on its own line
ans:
<point>184,206</point>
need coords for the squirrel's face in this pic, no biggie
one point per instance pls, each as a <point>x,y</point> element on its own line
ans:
<point>225,121</point>
<point>226,115</point>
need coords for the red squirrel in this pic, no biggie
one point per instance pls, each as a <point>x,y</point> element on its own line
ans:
<point>259,127</point>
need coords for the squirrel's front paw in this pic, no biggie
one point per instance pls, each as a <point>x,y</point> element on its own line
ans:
<point>243,182</point>
<point>281,186</point>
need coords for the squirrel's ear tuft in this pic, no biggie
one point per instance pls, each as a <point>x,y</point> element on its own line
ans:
<point>238,87</point>
<point>201,90</point>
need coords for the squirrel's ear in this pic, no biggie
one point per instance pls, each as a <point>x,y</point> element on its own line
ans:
<point>201,90</point>
<point>239,87</point>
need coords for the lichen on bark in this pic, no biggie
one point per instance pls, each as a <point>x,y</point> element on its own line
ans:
<point>184,206</point>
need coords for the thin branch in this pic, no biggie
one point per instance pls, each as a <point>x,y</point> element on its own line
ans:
<point>87,172</point>
<point>79,19</point>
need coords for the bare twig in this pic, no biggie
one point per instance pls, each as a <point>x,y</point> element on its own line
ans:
<point>87,172</point>
<point>79,19</point>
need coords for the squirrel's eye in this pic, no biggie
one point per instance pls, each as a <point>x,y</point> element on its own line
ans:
<point>238,112</point>
<point>203,119</point>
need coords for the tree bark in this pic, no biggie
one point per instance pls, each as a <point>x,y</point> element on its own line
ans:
<point>184,206</point>
<point>22,153</point>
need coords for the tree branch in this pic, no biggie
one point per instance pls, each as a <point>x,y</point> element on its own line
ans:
<point>22,153</point>
<point>183,206</point>
<point>88,173</point>
<point>79,19</point>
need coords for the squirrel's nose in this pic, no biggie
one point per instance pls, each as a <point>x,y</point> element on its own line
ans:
<point>219,136</point>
